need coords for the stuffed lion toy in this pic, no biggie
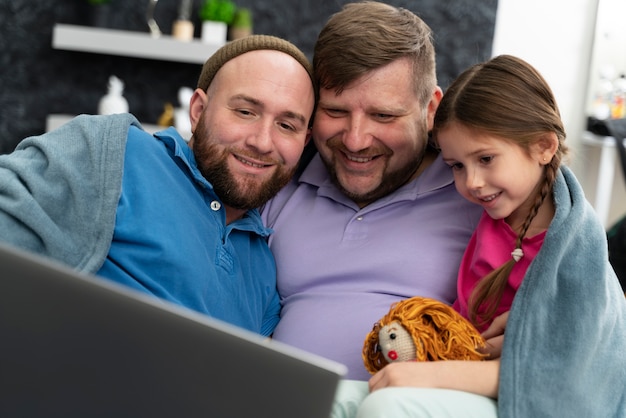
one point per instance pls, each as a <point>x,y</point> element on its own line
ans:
<point>421,329</point>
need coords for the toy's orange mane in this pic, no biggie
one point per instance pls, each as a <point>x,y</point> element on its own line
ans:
<point>439,333</point>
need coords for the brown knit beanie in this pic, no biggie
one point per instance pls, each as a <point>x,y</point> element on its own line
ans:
<point>249,43</point>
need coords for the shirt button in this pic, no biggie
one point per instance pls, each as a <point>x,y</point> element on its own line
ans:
<point>215,205</point>
<point>359,218</point>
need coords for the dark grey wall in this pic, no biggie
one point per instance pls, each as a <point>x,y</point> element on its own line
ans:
<point>36,80</point>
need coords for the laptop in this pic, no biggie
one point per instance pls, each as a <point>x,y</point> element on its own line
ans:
<point>73,345</point>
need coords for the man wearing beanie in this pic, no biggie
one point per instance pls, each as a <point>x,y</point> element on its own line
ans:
<point>167,218</point>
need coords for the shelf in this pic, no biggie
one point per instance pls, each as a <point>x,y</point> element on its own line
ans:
<point>592,139</point>
<point>130,44</point>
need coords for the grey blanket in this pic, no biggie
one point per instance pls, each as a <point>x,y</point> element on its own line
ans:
<point>59,191</point>
<point>564,352</point>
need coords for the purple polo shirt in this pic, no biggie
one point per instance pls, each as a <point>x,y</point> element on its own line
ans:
<point>340,267</point>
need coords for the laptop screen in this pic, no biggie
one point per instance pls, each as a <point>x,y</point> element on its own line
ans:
<point>74,345</point>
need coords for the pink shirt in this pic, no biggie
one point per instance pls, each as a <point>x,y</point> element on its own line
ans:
<point>490,247</point>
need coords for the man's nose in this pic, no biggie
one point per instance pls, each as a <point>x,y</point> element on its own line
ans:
<point>261,138</point>
<point>357,135</point>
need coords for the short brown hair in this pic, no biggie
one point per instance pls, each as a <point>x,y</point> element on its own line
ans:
<point>367,35</point>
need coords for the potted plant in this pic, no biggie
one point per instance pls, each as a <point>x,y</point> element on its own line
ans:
<point>216,15</point>
<point>241,25</point>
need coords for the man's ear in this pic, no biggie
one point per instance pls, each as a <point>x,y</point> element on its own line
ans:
<point>433,104</point>
<point>197,104</point>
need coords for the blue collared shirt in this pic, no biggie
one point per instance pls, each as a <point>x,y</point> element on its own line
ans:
<point>171,239</point>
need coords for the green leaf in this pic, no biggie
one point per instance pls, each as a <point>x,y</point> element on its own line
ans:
<point>218,10</point>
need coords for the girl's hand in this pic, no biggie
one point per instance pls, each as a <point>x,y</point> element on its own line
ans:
<point>408,373</point>
<point>479,377</point>
<point>494,336</point>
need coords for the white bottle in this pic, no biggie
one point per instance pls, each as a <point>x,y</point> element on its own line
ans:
<point>113,101</point>
<point>181,114</point>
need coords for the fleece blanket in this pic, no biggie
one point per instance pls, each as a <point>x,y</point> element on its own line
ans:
<point>564,352</point>
<point>59,191</point>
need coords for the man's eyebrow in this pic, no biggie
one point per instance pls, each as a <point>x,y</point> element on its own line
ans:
<point>248,99</point>
<point>294,115</point>
<point>288,114</point>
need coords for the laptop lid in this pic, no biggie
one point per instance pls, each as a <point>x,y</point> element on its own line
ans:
<point>72,345</point>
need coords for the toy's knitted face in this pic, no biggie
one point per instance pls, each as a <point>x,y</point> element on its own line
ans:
<point>396,343</point>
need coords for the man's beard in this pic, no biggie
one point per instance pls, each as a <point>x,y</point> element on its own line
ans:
<point>391,180</point>
<point>245,193</point>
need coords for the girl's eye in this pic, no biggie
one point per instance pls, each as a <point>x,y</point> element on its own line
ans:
<point>486,159</point>
<point>456,166</point>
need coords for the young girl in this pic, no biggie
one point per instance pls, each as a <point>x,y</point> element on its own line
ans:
<point>538,257</point>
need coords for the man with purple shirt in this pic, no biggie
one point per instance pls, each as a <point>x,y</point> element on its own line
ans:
<point>374,216</point>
